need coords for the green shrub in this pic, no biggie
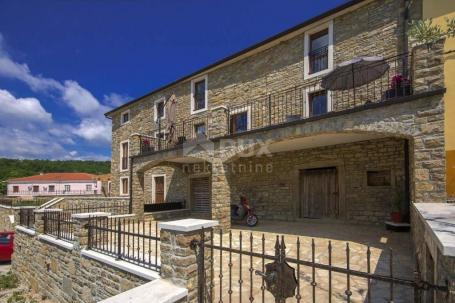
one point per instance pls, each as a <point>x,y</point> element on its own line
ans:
<point>8,280</point>
<point>17,297</point>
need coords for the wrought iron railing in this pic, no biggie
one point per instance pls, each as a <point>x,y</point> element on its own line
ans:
<point>27,217</point>
<point>151,206</point>
<point>59,224</point>
<point>113,207</point>
<point>133,241</point>
<point>296,103</point>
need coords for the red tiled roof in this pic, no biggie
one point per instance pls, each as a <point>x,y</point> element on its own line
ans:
<point>57,177</point>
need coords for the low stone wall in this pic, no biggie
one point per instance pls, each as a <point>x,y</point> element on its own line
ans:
<point>59,271</point>
<point>92,201</point>
<point>436,265</point>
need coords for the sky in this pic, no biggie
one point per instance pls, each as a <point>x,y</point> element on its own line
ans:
<point>64,63</point>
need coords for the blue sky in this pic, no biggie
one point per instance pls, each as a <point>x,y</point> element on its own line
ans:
<point>63,63</point>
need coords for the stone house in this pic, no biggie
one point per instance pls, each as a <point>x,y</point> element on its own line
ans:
<point>259,123</point>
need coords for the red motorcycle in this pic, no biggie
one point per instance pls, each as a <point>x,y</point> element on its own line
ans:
<point>243,211</point>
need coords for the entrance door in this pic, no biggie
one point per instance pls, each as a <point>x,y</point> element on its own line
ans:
<point>200,195</point>
<point>159,189</point>
<point>319,193</point>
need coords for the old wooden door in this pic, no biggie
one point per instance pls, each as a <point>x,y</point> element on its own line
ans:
<point>159,189</point>
<point>319,193</point>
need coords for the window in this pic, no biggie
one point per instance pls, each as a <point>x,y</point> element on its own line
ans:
<point>239,122</point>
<point>318,50</point>
<point>124,154</point>
<point>379,178</point>
<point>159,109</point>
<point>124,117</point>
<point>15,189</point>
<point>199,95</point>
<point>35,188</point>
<point>88,187</point>
<point>124,186</point>
<point>67,188</point>
<point>199,129</point>
<point>162,135</point>
<point>51,188</point>
<point>317,103</point>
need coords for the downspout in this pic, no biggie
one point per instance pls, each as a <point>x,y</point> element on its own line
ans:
<point>405,4</point>
<point>407,180</point>
<point>130,185</point>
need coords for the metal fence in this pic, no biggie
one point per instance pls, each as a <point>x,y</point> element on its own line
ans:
<point>156,207</point>
<point>232,270</point>
<point>59,224</point>
<point>133,241</point>
<point>27,217</point>
<point>114,207</point>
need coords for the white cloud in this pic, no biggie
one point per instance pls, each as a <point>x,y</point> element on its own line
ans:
<point>91,126</point>
<point>22,110</point>
<point>114,99</point>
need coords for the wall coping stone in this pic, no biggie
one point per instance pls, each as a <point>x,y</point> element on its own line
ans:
<point>158,291</point>
<point>123,265</point>
<point>439,220</point>
<point>187,225</point>
<point>122,216</point>
<point>26,230</point>
<point>48,210</point>
<point>16,207</point>
<point>90,215</point>
<point>61,243</point>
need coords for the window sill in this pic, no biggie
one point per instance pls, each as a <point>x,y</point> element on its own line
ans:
<point>195,112</point>
<point>320,73</point>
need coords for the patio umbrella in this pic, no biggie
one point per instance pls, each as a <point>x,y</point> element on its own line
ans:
<point>355,73</point>
<point>170,118</point>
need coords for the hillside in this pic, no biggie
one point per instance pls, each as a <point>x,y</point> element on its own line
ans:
<point>13,168</point>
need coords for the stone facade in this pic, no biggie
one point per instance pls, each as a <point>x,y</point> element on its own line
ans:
<point>266,71</point>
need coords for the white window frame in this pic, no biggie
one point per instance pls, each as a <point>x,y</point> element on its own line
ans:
<point>121,186</point>
<point>163,131</point>
<point>154,186</point>
<point>194,129</point>
<point>193,82</point>
<point>129,117</point>
<point>155,109</point>
<point>121,155</point>
<point>242,110</point>
<point>306,59</point>
<point>315,89</point>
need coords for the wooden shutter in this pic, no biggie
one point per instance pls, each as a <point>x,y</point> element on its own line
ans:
<point>200,195</point>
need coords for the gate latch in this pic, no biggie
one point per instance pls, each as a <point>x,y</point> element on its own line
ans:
<point>279,279</point>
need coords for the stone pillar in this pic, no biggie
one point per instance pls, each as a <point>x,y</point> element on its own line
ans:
<point>81,231</point>
<point>428,67</point>
<point>135,144</point>
<point>137,193</point>
<point>39,218</point>
<point>178,255</point>
<point>218,126</point>
<point>221,194</point>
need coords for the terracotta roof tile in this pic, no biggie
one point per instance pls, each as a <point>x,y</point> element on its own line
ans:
<point>57,177</point>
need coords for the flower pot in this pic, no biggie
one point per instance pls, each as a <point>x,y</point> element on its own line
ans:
<point>396,217</point>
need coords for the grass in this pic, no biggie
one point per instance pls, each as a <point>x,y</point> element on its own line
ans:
<point>8,281</point>
<point>17,297</point>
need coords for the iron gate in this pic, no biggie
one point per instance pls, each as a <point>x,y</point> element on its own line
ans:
<point>260,276</point>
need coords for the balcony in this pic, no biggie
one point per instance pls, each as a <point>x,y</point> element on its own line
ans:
<point>299,103</point>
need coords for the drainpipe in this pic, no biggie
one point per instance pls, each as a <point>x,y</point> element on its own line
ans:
<point>130,185</point>
<point>405,4</point>
<point>407,178</point>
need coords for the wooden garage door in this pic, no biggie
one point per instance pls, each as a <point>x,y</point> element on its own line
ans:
<point>319,193</point>
<point>200,195</point>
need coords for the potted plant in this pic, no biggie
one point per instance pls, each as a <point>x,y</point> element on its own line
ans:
<point>424,32</point>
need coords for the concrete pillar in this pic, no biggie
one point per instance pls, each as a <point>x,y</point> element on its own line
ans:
<point>221,194</point>
<point>178,254</point>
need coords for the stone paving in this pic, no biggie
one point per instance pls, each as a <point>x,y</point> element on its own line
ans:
<point>358,237</point>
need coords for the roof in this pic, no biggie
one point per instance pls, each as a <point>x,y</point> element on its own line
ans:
<point>244,51</point>
<point>56,177</point>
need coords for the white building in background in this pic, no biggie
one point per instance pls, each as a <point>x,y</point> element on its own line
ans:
<point>54,184</point>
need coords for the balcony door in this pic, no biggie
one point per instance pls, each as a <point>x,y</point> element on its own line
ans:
<point>159,189</point>
<point>319,193</point>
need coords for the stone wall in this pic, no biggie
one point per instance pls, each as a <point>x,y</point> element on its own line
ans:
<point>63,275</point>
<point>5,214</point>
<point>373,29</point>
<point>272,182</point>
